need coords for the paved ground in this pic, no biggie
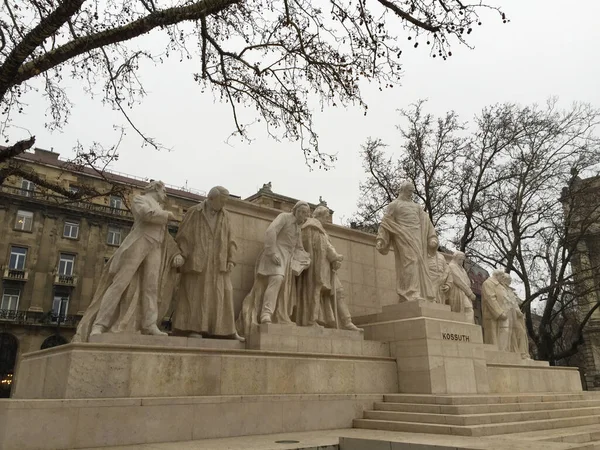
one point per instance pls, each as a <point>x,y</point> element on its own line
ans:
<point>328,438</point>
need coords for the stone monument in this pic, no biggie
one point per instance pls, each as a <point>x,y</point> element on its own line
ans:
<point>205,297</point>
<point>136,285</point>
<point>460,295</point>
<point>407,229</point>
<point>518,341</point>
<point>273,297</point>
<point>439,271</point>
<point>495,318</point>
<point>321,295</point>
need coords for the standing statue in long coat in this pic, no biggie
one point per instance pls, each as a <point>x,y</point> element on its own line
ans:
<point>495,311</point>
<point>408,229</point>
<point>320,292</point>
<point>518,341</point>
<point>460,295</point>
<point>205,301</point>
<point>438,271</point>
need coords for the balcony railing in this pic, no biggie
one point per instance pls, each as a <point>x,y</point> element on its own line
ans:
<point>65,280</point>
<point>54,199</point>
<point>38,318</point>
<point>15,274</point>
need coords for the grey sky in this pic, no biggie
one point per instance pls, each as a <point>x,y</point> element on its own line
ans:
<point>548,49</point>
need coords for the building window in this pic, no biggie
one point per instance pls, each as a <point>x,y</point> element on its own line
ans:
<point>71,230</point>
<point>114,236</point>
<point>24,220</point>
<point>10,299</point>
<point>66,264</point>
<point>17,258</point>
<point>116,202</point>
<point>60,306</point>
<point>73,189</point>
<point>27,188</point>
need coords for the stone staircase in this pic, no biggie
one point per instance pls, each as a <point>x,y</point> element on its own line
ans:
<point>569,417</point>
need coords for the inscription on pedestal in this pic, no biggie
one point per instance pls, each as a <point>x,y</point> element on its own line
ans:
<point>455,337</point>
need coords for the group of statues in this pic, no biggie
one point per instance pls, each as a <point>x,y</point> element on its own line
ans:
<point>295,275</point>
<point>295,278</point>
<point>422,272</point>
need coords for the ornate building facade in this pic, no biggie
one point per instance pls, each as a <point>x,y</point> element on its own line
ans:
<point>582,204</point>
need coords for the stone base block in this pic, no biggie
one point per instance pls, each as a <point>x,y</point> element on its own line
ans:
<point>495,356</point>
<point>409,310</point>
<point>504,378</point>
<point>290,338</point>
<point>435,355</point>
<point>98,370</point>
<point>70,424</point>
<point>166,341</point>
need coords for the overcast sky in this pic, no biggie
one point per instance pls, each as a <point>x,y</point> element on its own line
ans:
<point>550,48</point>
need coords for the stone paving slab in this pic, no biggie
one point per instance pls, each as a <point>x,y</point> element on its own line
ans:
<point>352,439</point>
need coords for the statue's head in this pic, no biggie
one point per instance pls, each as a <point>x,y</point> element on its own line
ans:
<point>157,188</point>
<point>505,279</point>
<point>498,274</point>
<point>321,213</point>
<point>458,258</point>
<point>406,189</point>
<point>433,243</point>
<point>217,198</point>
<point>301,211</point>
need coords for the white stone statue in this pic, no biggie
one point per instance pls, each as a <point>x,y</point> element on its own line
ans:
<point>205,297</point>
<point>135,287</point>
<point>518,341</point>
<point>272,298</point>
<point>407,228</point>
<point>494,309</point>
<point>320,291</point>
<point>460,295</point>
<point>438,271</point>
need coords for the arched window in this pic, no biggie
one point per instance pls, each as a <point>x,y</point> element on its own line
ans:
<point>53,341</point>
<point>9,345</point>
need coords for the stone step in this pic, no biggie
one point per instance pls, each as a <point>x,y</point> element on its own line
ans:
<point>476,430</point>
<point>485,408</point>
<point>481,419</point>
<point>588,433</point>
<point>488,399</point>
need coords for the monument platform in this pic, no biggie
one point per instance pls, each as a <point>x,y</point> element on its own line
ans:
<point>99,370</point>
<point>417,367</point>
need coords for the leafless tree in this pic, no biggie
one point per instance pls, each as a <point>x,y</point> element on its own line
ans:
<point>269,56</point>
<point>428,154</point>
<point>510,211</point>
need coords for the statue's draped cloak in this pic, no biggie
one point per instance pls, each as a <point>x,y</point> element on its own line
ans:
<point>407,229</point>
<point>205,297</point>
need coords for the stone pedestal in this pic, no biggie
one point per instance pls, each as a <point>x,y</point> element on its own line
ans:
<point>174,367</point>
<point>437,351</point>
